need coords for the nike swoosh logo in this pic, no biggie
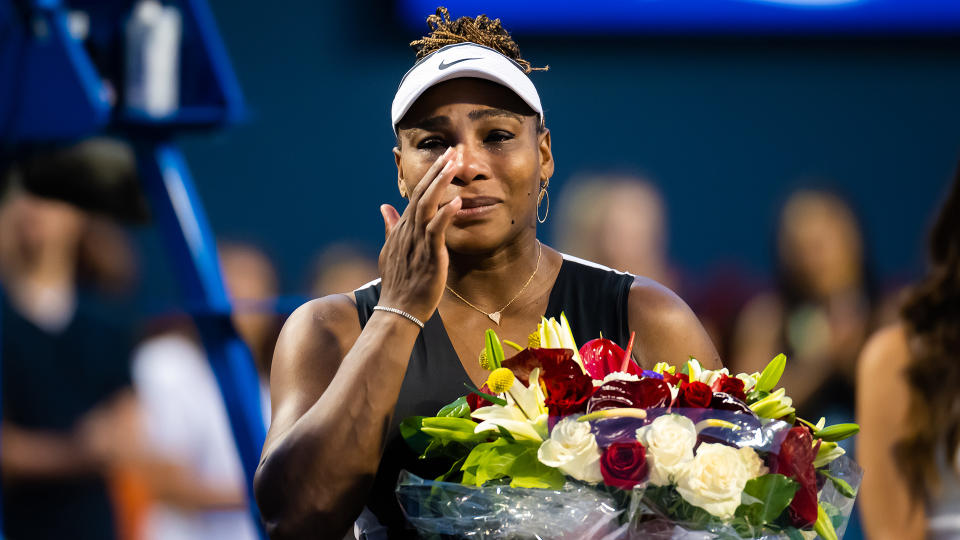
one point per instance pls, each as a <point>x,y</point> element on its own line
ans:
<point>445,66</point>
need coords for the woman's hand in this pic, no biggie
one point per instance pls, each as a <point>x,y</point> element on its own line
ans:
<point>414,259</point>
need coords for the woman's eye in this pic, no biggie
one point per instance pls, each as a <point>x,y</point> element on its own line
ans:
<point>499,136</point>
<point>431,143</point>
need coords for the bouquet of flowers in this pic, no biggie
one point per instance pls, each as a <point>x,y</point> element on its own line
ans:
<point>562,442</point>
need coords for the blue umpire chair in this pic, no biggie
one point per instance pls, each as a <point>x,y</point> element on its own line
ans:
<point>56,87</point>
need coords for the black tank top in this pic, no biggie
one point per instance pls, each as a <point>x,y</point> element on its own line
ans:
<point>594,300</point>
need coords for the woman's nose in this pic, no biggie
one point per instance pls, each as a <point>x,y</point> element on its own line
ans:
<point>473,166</point>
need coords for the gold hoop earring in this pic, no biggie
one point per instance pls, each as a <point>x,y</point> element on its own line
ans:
<point>543,194</point>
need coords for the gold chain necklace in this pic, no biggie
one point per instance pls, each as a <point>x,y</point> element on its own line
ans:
<point>495,316</point>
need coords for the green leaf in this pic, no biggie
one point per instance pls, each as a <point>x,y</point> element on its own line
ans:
<point>842,485</point>
<point>410,431</point>
<point>766,497</point>
<point>771,374</point>
<point>755,396</point>
<point>794,533</point>
<point>449,429</point>
<point>458,408</point>
<point>492,399</point>
<point>518,461</point>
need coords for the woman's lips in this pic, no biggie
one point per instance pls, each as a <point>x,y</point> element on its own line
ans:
<point>474,207</point>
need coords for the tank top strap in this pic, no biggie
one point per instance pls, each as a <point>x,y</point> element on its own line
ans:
<point>367,297</point>
<point>594,299</point>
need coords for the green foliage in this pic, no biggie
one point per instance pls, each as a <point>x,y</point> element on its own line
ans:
<point>458,408</point>
<point>771,374</point>
<point>492,399</point>
<point>842,485</point>
<point>447,436</point>
<point>837,432</point>
<point>764,498</point>
<point>755,395</point>
<point>674,505</point>
<point>515,460</point>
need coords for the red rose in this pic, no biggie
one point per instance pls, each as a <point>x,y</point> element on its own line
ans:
<point>624,465</point>
<point>475,401</point>
<point>567,392</point>
<point>676,380</point>
<point>796,461</point>
<point>730,385</point>
<point>695,395</point>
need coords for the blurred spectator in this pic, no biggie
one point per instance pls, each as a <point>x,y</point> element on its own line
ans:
<point>202,495</point>
<point>341,268</point>
<point>908,402</point>
<point>616,221</point>
<point>621,222</point>
<point>820,313</point>
<point>69,417</point>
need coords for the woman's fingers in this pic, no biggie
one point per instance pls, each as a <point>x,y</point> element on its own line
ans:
<point>430,176</point>
<point>430,200</point>
<point>437,228</point>
<point>390,218</point>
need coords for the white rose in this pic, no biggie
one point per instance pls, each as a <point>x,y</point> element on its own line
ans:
<point>669,441</point>
<point>573,449</point>
<point>715,478</point>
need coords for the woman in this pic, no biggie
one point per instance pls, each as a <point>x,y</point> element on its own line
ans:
<point>821,313</point>
<point>474,159</point>
<point>908,402</point>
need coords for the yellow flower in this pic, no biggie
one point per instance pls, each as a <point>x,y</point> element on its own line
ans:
<point>500,380</point>
<point>533,340</point>
<point>484,361</point>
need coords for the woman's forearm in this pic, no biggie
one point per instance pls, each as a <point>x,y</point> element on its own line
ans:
<point>313,478</point>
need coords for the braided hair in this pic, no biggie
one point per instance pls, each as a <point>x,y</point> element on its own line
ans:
<point>480,30</point>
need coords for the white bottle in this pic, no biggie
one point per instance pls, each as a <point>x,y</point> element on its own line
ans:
<point>153,59</point>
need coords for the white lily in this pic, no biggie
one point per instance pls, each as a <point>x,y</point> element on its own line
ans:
<point>529,399</point>
<point>557,335</point>
<point>524,416</point>
<point>694,369</point>
<point>511,419</point>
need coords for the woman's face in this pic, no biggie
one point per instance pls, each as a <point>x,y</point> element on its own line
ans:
<point>504,159</point>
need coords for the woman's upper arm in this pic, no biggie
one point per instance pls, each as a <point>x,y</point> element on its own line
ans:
<point>666,328</point>
<point>311,346</point>
<point>883,398</point>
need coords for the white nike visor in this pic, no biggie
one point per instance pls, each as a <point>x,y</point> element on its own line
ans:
<point>463,60</point>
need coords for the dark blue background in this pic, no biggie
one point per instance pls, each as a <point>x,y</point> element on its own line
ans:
<point>713,16</point>
<point>727,127</point>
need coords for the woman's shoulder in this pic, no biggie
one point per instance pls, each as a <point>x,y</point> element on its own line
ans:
<point>885,355</point>
<point>332,318</point>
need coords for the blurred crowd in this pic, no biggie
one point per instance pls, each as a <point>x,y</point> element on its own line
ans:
<point>119,426</point>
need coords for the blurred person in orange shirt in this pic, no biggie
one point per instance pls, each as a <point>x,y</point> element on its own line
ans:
<point>908,402</point>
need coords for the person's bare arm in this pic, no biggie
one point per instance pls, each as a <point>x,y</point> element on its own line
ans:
<point>883,397</point>
<point>334,386</point>
<point>666,329</point>
<point>34,454</point>
<point>102,437</point>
